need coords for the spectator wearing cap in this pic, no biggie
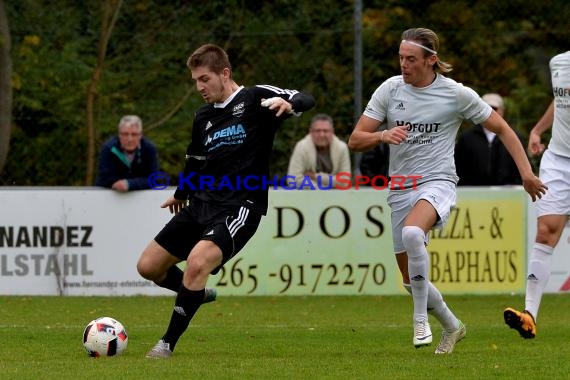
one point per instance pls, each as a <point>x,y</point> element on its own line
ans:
<point>481,159</point>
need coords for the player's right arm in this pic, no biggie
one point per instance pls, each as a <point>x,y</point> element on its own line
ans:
<point>545,123</point>
<point>366,135</point>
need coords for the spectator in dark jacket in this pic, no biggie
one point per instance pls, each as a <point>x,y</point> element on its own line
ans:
<point>374,163</point>
<point>481,159</point>
<point>127,160</point>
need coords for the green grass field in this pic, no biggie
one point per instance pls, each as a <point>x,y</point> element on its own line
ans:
<point>359,337</point>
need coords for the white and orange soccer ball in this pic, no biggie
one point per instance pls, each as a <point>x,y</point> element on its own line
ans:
<point>105,336</point>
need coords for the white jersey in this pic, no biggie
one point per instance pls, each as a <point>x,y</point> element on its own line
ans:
<point>560,73</point>
<point>433,115</point>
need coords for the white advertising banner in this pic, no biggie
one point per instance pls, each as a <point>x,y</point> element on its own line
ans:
<point>72,241</point>
<point>86,241</point>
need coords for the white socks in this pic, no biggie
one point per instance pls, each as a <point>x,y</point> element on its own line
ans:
<point>438,308</point>
<point>413,238</point>
<point>425,295</point>
<point>538,275</point>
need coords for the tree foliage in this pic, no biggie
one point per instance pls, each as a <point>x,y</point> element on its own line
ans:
<point>5,86</point>
<point>494,46</point>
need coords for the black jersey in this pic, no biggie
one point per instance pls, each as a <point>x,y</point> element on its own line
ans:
<point>227,161</point>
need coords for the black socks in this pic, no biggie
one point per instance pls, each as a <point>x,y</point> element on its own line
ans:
<point>186,304</point>
<point>173,279</point>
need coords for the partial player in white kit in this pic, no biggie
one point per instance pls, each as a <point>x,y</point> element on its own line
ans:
<point>423,111</point>
<point>554,208</point>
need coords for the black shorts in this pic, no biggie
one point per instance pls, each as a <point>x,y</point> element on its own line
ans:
<point>230,228</point>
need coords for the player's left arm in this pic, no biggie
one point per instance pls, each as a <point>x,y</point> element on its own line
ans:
<point>532,184</point>
<point>545,123</point>
<point>284,101</point>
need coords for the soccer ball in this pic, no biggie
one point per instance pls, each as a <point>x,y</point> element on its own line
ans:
<point>105,336</point>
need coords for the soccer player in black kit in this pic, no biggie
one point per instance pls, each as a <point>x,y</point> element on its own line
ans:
<point>232,138</point>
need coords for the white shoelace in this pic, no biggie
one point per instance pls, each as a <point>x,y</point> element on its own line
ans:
<point>421,328</point>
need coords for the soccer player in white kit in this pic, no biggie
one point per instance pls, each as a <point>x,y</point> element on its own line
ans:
<point>554,208</point>
<point>423,111</point>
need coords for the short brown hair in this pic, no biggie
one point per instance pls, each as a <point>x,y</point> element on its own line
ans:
<point>211,56</point>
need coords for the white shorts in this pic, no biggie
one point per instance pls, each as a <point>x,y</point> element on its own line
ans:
<point>554,173</point>
<point>440,194</point>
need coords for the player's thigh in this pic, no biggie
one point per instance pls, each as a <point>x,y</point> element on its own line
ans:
<point>427,206</point>
<point>204,257</point>
<point>232,232</point>
<point>155,260</point>
<point>423,215</point>
<point>549,229</point>
<point>432,203</point>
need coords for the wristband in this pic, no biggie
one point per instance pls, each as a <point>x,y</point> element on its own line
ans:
<point>382,136</point>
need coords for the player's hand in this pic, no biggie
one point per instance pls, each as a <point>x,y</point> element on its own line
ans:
<point>174,205</point>
<point>396,135</point>
<point>534,145</point>
<point>534,187</point>
<point>277,104</point>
